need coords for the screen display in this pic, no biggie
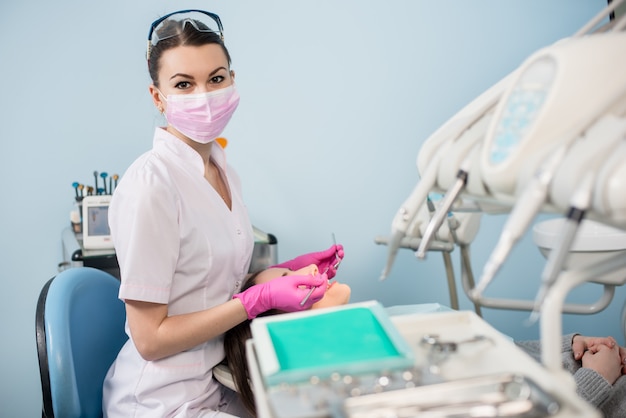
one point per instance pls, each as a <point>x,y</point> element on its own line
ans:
<point>97,221</point>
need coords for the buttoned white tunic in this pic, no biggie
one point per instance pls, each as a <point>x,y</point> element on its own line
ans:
<point>177,243</point>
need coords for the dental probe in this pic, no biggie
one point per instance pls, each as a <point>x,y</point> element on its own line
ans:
<point>528,205</point>
<point>308,295</point>
<point>336,266</point>
<point>576,213</point>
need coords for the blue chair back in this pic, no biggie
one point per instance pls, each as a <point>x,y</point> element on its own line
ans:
<point>80,330</point>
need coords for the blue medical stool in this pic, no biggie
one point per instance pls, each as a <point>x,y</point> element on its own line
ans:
<point>80,329</point>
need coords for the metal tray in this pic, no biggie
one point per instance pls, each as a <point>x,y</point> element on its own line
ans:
<point>502,395</point>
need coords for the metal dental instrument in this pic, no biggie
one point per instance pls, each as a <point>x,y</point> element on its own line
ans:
<point>442,212</point>
<point>439,351</point>
<point>336,253</point>
<point>308,295</point>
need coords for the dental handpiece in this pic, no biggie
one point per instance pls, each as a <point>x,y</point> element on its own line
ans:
<point>556,260</point>
<point>441,213</point>
<point>408,212</point>
<point>528,205</point>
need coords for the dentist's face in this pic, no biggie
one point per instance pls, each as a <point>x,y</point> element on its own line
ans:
<point>336,293</point>
<point>192,70</point>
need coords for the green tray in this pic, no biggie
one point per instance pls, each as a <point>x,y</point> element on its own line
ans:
<point>351,339</point>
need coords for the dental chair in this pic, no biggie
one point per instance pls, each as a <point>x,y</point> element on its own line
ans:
<point>79,330</point>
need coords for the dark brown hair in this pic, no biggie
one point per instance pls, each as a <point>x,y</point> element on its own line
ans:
<point>186,35</point>
<point>235,349</point>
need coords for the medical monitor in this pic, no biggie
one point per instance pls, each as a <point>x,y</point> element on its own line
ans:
<point>96,232</point>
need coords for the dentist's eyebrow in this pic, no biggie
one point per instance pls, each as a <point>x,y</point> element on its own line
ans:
<point>181,75</point>
<point>217,69</point>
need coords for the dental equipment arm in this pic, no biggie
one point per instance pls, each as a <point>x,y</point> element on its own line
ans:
<point>467,280</point>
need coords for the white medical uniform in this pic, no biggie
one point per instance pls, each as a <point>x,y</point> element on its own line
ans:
<point>177,243</point>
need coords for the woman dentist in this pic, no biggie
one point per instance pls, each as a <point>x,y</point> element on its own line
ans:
<point>184,240</point>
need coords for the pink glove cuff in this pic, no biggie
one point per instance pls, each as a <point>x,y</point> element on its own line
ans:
<point>249,302</point>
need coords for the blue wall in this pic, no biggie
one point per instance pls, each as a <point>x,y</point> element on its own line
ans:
<point>337,97</point>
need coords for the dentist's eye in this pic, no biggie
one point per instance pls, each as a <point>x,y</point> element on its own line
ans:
<point>183,85</point>
<point>217,79</point>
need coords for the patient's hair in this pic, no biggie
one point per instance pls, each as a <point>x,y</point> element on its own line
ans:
<point>235,348</point>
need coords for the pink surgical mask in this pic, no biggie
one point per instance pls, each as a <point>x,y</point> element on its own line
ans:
<point>202,117</point>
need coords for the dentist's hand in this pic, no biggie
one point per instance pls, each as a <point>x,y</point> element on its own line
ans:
<point>283,293</point>
<point>324,260</point>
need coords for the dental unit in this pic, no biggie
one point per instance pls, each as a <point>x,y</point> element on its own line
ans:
<point>536,142</point>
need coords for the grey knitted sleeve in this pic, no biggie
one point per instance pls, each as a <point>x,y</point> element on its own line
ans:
<point>590,385</point>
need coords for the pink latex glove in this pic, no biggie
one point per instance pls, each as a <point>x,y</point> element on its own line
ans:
<point>324,260</point>
<point>283,293</point>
